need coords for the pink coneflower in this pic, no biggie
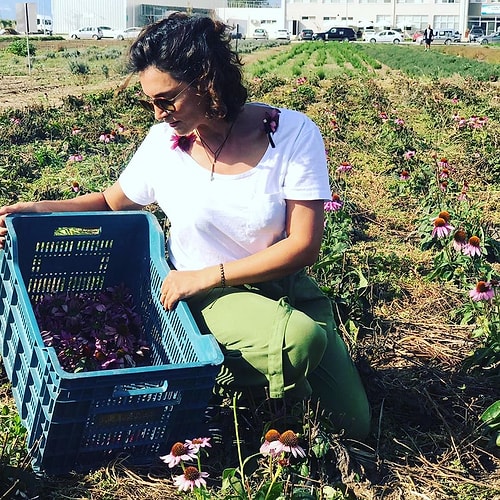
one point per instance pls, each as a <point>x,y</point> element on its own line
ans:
<point>483,120</point>
<point>334,204</point>
<point>404,175</point>
<point>477,122</point>
<point>408,155</point>
<point>344,167</point>
<point>459,240</point>
<point>473,247</point>
<point>461,122</point>
<point>270,437</point>
<point>76,130</point>
<point>444,214</point>
<point>482,291</point>
<point>179,451</point>
<point>192,478</point>
<point>289,442</point>
<point>444,174</point>
<point>443,185</point>
<point>383,116</point>
<point>75,187</point>
<point>399,122</point>
<point>454,100</point>
<point>441,228</point>
<point>75,157</point>
<point>301,80</point>
<point>443,163</point>
<point>183,142</point>
<point>197,443</point>
<point>120,127</point>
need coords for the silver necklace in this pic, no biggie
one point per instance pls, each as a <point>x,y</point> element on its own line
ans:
<point>215,153</point>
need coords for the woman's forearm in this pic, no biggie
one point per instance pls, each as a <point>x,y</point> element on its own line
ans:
<point>85,203</point>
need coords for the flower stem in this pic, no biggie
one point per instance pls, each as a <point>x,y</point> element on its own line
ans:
<point>238,447</point>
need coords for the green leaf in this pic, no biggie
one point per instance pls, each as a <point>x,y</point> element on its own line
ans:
<point>491,416</point>
<point>269,491</point>
<point>301,494</point>
<point>230,481</point>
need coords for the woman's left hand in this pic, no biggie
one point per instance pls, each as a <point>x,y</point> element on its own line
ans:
<point>180,285</point>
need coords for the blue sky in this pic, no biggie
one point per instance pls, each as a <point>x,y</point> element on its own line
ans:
<point>8,8</point>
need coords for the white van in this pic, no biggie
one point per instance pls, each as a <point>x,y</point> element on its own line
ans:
<point>44,24</point>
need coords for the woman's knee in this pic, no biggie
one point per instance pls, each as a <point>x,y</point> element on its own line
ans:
<point>304,344</point>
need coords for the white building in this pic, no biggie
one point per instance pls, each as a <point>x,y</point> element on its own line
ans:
<point>290,14</point>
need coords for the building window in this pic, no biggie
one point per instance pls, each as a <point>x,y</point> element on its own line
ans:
<point>415,22</point>
<point>446,23</point>
<point>383,21</point>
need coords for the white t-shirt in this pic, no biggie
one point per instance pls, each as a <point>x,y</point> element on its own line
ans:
<point>231,216</point>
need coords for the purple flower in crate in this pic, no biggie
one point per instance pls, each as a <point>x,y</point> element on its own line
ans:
<point>93,332</point>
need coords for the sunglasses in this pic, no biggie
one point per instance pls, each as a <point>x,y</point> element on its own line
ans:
<point>166,105</point>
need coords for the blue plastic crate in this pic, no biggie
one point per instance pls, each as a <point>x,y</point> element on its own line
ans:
<point>80,421</point>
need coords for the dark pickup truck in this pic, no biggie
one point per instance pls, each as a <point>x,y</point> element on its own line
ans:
<point>340,34</point>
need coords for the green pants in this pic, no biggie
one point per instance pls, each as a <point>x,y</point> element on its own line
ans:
<point>282,335</point>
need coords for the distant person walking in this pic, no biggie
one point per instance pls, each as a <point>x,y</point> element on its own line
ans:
<point>428,36</point>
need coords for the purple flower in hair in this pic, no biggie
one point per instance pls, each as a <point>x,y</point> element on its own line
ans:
<point>271,122</point>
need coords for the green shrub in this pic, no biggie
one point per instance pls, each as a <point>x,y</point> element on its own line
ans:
<point>20,48</point>
<point>78,68</point>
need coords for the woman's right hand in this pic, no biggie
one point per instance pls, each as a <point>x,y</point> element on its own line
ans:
<point>9,209</point>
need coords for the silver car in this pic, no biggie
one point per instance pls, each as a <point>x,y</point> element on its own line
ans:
<point>127,33</point>
<point>260,34</point>
<point>485,40</point>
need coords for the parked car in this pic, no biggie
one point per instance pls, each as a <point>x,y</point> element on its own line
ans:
<point>305,34</point>
<point>386,36</point>
<point>107,32</point>
<point>474,33</point>
<point>282,35</point>
<point>367,34</point>
<point>260,34</point>
<point>341,34</point>
<point>445,37</point>
<point>486,39</point>
<point>132,32</point>
<point>87,33</point>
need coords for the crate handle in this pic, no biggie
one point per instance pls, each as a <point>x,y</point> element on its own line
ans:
<point>77,231</point>
<point>123,391</point>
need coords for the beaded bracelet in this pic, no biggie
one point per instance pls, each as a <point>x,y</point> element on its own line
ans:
<point>222,276</point>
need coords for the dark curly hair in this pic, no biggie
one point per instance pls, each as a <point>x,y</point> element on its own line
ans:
<point>194,48</point>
